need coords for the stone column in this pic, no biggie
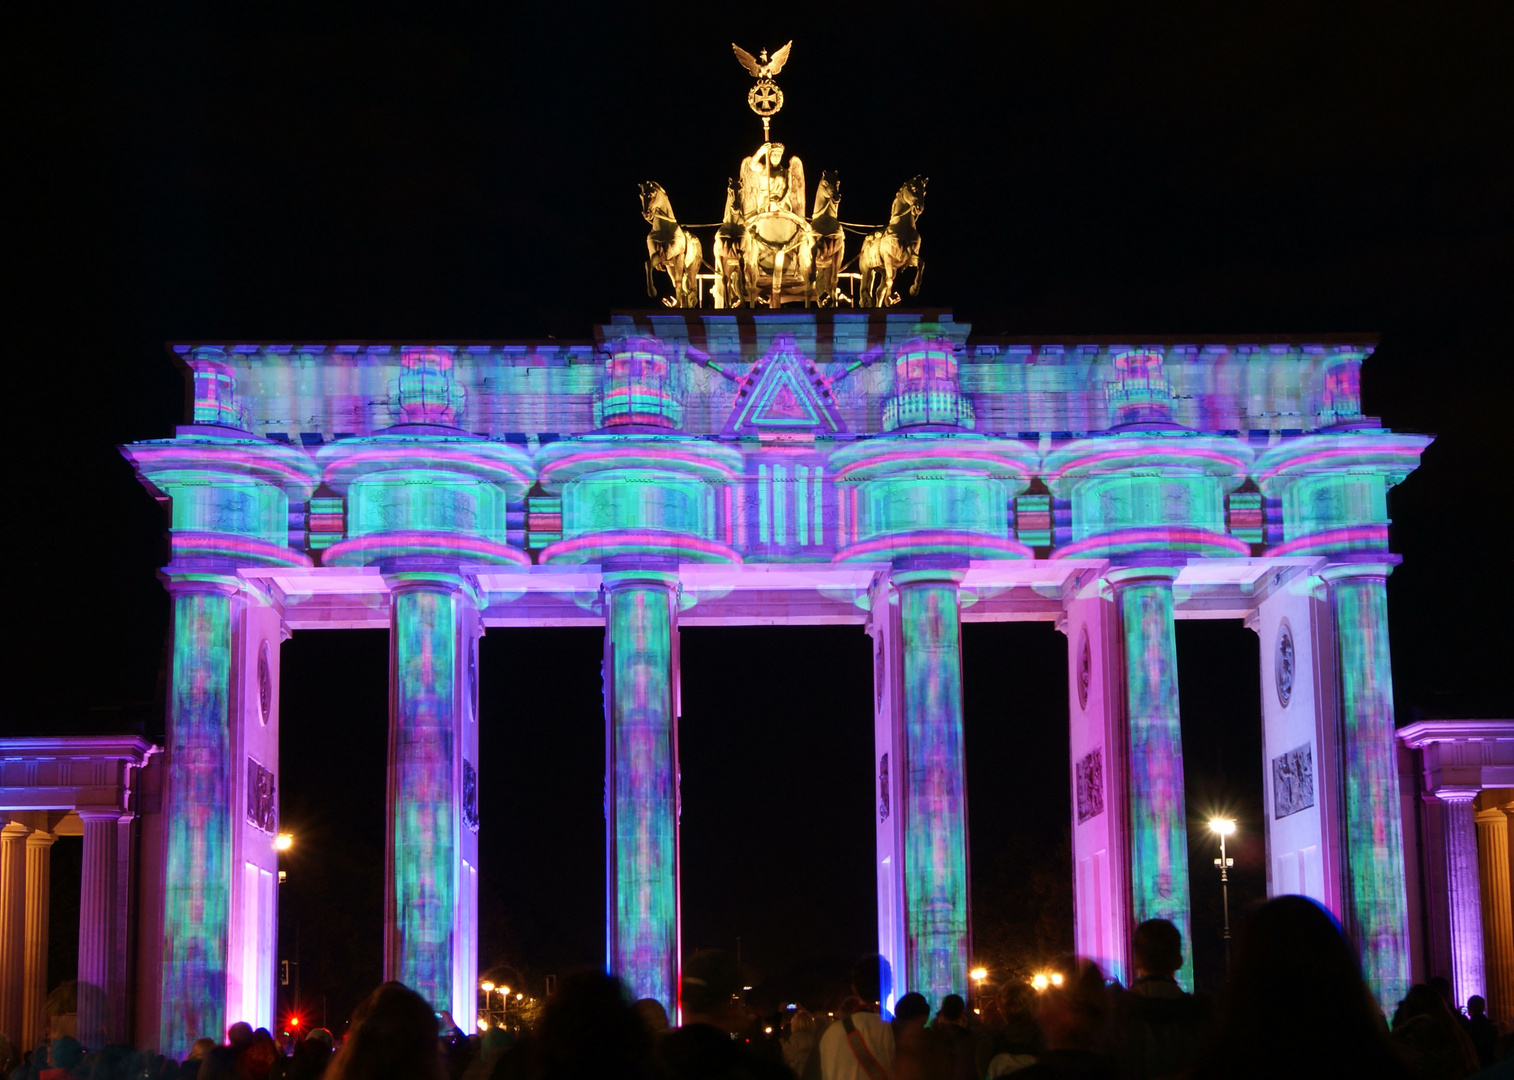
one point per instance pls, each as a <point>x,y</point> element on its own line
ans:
<point>197,815</point>
<point>641,780</point>
<point>97,889</point>
<point>425,916</point>
<point>38,887</point>
<point>1463,892</point>
<point>1376,903</point>
<point>1154,753</point>
<point>12,928</point>
<point>933,784</point>
<point>1498,912</point>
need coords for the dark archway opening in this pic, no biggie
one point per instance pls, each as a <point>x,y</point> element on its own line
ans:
<point>1219,691</point>
<point>776,752</point>
<point>333,760</point>
<point>541,892</point>
<point>1018,795</point>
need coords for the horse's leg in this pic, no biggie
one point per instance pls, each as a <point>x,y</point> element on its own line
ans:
<point>775,298</point>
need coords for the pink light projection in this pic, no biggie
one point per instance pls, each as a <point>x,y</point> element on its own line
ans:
<point>779,466</point>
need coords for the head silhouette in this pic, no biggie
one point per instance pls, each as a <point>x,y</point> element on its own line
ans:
<point>1297,1004</point>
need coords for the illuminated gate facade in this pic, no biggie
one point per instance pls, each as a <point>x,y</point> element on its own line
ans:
<point>883,469</point>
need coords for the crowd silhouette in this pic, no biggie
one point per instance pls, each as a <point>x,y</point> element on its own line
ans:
<point>1296,1006</point>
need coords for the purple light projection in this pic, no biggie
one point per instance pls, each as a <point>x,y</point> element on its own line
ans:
<point>1377,907</point>
<point>936,927</point>
<point>1158,815</point>
<point>197,806</point>
<point>641,764</point>
<point>803,443</point>
<point>422,826</point>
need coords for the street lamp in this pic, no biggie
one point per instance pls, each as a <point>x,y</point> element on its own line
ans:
<point>284,842</point>
<point>1223,827</point>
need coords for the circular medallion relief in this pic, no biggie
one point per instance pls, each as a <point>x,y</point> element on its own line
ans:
<point>265,684</point>
<point>1283,663</point>
<point>1085,667</point>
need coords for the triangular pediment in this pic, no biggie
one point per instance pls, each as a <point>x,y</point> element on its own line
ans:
<point>784,393</point>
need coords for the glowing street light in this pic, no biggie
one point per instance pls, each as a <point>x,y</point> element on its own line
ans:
<point>979,974</point>
<point>1223,827</point>
<point>1039,982</point>
<point>284,842</point>
<point>486,986</point>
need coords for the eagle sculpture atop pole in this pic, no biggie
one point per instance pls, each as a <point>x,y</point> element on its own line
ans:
<point>764,98</point>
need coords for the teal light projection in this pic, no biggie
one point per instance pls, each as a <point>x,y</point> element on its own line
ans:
<point>935,787</point>
<point>1377,906</point>
<point>423,818</point>
<point>197,809</point>
<point>1158,818</point>
<point>641,745</point>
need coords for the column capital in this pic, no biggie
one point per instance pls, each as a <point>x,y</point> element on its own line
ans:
<point>178,579</point>
<point>14,830</point>
<point>1495,816</point>
<point>906,575</point>
<point>620,571</point>
<point>39,839</point>
<point>436,575</point>
<point>1118,576</point>
<point>99,813</point>
<point>1378,567</point>
<point>1454,794</point>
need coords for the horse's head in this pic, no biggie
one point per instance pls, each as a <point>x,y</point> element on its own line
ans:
<point>653,200</point>
<point>828,194</point>
<point>733,213</point>
<point>910,200</point>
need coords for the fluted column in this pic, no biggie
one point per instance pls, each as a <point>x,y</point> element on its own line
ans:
<point>97,887</point>
<point>38,888</point>
<point>426,916</point>
<point>1498,912</point>
<point>197,814</point>
<point>1377,906</point>
<point>641,781</point>
<point>1154,765</point>
<point>934,784</point>
<point>12,928</point>
<point>1463,892</point>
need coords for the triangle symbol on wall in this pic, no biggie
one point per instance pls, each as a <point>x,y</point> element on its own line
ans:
<point>783,392</point>
<point>782,402</point>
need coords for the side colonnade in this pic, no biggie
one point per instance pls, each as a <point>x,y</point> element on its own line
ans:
<point>643,526</point>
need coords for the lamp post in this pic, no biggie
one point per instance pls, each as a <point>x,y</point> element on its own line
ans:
<point>488,988</point>
<point>1223,827</point>
<point>978,975</point>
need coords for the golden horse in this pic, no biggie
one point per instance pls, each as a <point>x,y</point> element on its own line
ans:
<point>890,249</point>
<point>670,247</point>
<point>827,241</point>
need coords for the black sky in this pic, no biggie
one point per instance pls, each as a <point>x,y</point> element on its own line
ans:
<point>263,171</point>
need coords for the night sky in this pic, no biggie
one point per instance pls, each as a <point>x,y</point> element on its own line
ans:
<point>259,172</point>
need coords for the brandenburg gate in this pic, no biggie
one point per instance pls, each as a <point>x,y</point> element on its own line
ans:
<point>732,458</point>
<point>880,468</point>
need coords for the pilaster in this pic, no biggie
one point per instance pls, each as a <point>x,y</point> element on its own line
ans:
<point>38,888</point>
<point>1154,752</point>
<point>12,927</point>
<point>641,778</point>
<point>1497,910</point>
